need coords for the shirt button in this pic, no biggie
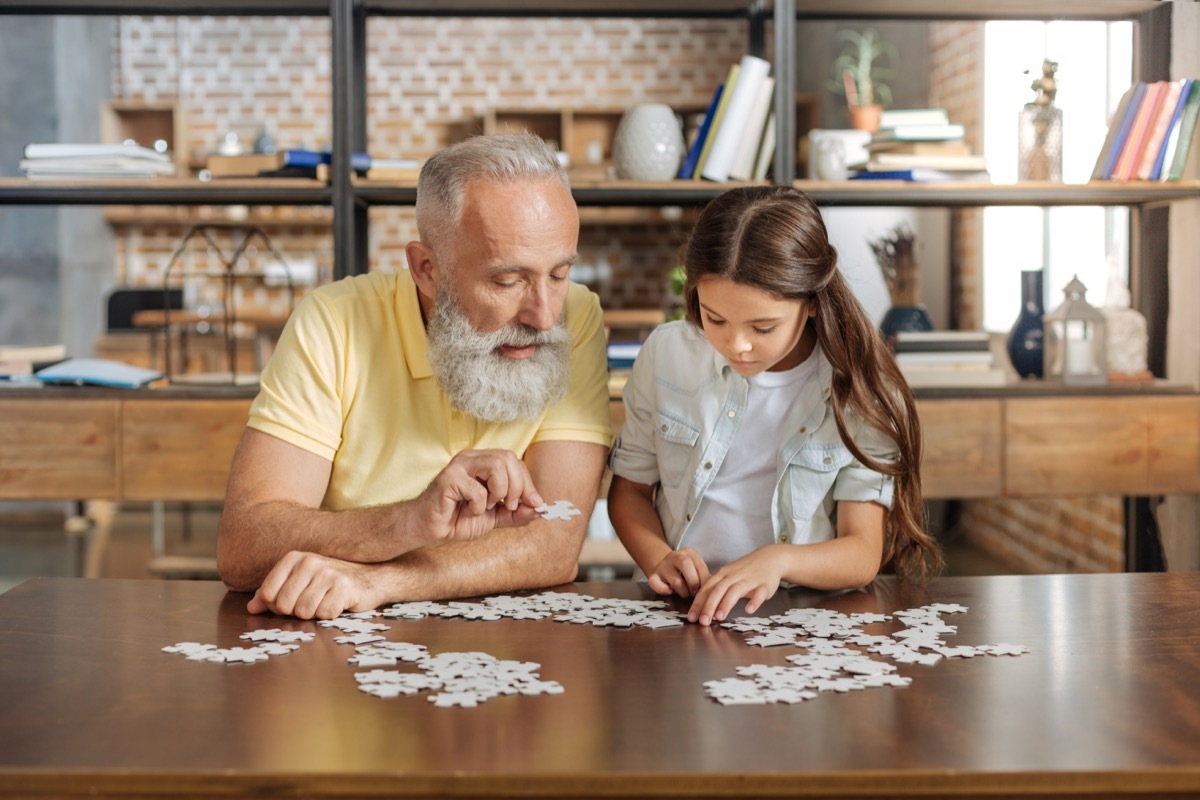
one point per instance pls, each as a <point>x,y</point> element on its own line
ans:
<point>456,416</point>
<point>689,517</point>
<point>783,537</point>
<point>828,460</point>
<point>732,414</point>
<point>708,465</point>
<point>803,429</point>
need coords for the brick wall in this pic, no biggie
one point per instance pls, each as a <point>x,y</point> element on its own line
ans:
<point>428,80</point>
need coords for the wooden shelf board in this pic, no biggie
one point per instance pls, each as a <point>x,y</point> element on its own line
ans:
<point>165,191</point>
<point>169,7</point>
<point>805,9</point>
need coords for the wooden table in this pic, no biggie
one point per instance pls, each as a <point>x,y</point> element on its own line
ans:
<point>1106,704</point>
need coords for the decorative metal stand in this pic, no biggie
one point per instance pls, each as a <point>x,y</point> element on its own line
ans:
<point>228,277</point>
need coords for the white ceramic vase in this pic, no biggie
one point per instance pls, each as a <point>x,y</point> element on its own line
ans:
<point>648,145</point>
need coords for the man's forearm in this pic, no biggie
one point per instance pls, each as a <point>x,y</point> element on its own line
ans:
<point>535,556</point>
<point>254,537</point>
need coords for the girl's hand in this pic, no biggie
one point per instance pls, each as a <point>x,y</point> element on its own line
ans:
<point>682,572</point>
<point>755,576</point>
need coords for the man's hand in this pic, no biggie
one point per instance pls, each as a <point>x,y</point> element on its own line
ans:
<point>308,586</point>
<point>756,576</point>
<point>479,490</point>
<point>681,572</point>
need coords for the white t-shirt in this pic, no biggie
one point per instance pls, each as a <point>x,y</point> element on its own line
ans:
<point>734,518</point>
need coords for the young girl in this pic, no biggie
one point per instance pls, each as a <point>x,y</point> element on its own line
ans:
<point>770,437</point>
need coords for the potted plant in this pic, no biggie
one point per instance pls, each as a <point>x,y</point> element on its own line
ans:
<point>858,72</point>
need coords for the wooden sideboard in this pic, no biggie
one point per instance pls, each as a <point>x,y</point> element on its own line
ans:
<point>176,443</point>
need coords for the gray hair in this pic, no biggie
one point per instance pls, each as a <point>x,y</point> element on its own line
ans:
<point>499,158</point>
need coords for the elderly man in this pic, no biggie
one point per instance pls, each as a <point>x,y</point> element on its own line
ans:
<point>409,424</point>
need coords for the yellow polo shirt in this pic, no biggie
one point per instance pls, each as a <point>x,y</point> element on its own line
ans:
<point>350,382</point>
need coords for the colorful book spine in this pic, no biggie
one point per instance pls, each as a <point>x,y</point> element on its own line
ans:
<point>1135,143</point>
<point>751,74</point>
<point>1169,126</point>
<point>1124,124</point>
<point>1187,133</point>
<point>693,155</point>
<point>730,83</point>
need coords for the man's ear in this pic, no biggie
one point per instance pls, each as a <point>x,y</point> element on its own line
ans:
<point>422,263</point>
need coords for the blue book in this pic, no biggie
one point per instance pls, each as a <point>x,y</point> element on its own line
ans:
<point>1125,123</point>
<point>1172,129</point>
<point>923,175</point>
<point>359,162</point>
<point>687,171</point>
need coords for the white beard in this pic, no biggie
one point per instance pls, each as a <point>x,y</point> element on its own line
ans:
<point>480,380</point>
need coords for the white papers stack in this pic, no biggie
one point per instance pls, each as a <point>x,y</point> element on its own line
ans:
<point>95,161</point>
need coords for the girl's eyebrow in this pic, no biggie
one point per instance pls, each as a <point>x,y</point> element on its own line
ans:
<point>758,321</point>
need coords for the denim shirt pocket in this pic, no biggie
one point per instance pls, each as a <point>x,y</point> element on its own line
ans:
<point>811,475</point>
<point>675,443</point>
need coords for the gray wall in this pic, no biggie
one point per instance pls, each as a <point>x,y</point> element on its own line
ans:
<point>54,74</point>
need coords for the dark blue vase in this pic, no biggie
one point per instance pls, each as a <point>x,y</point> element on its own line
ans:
<point>1025,344</point>
<point>905,318</point>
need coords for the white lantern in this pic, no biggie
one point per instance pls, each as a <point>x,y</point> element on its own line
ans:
<point>1076,341</point>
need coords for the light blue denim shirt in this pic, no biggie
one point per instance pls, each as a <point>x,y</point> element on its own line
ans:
<point>683,403</point>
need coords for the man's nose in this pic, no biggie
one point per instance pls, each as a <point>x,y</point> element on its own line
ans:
<point>539,308</point>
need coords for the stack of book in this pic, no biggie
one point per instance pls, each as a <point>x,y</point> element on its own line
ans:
<point>1152,132</point>
<point>920,144</point>
<point>298,163</point>
<point>82,161</point>
<point>21,361</point>
<point>930,359</point>
<point>736,141</point>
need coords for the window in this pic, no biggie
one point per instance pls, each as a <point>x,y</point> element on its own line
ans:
<point>1095,67</point>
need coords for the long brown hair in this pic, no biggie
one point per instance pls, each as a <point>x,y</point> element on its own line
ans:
<point>773,239</point>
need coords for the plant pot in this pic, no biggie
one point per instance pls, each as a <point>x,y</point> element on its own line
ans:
<point>865,118</point>
<point>904,319</point>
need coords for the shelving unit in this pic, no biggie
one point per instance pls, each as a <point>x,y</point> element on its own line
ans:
<point>350,197</point>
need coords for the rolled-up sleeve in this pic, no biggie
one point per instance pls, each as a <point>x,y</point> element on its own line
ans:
<point>857,482</point>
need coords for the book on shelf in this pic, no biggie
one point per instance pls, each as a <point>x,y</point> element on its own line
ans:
<point>766,149</point>
<point>688,170</point>
<point>57,150</point>
<point>99,372</point>
<point>954,359</point>
<point>18,362</point>
<point>1135,142</point>
<point>946,148</point>
<point>300,163</point>
<point>621,355</point>
<point>35,353</point>
<point>1171,138</point>
<point>1187,132</point>
<point>923,175</point>
<point>882,162</point>
<point>86,160</point>
<point>1150,134</point>
<point>939,377</point>
<point>744,159</point>
<point>733,124</point>
<point>940,341</point>
<point>1157,137</point>
<point>1118,126</point>
<point>900,117</point>
<point>731,80</point>
<point>920,133</point>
